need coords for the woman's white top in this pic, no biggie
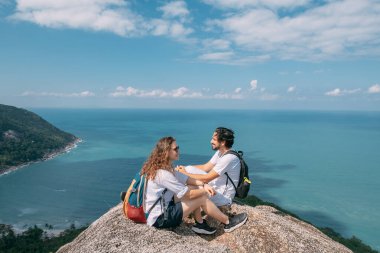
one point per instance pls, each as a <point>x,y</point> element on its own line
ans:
<point>174,183</point>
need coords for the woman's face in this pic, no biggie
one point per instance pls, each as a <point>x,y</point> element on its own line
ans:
<point>174,152</point>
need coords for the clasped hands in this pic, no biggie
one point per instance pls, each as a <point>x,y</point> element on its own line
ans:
<point>209,190</point>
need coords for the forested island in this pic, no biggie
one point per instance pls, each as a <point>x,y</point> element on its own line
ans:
<point>25,137</point>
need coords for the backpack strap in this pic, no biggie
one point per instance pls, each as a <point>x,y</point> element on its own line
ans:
<point>228,178</point>
<point>155,203</point>
<point>238,154</point>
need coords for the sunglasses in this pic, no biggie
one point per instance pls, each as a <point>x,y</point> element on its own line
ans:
<point>176,149</point>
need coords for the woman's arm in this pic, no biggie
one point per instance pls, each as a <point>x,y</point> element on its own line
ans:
<point>209,190</point>
<point>211,175</point>
<point>196,193</point>
<point>195,182</point>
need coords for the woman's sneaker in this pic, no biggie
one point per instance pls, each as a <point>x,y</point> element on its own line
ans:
<point>236,221</point>
<point>203,228</point>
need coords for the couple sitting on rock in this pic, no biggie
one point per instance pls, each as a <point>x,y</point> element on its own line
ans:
<point>195,188</point>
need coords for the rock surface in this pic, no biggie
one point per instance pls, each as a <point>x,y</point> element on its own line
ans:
<point>267,230</point>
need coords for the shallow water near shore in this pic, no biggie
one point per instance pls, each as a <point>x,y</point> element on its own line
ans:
<point>323,166</point>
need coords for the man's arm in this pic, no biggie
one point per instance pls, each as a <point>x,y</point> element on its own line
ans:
<point>207,167</point>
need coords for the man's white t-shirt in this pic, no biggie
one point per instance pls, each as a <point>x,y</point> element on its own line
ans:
<point>225,163</point>
<point>174,183</point>
<point>228,163</point>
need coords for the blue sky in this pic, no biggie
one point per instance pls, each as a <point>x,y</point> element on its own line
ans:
<point>238,54</point>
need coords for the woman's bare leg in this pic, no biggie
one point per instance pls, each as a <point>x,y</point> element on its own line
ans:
<point>190,205</point>
<point>197,212</point>
<point>198,215</point>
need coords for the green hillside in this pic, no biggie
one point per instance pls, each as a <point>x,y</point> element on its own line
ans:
<point>26,137</point>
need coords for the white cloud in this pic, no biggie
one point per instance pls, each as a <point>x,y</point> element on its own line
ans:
<point>338,92</point>
<point>181,92</point>
<point>374,89</point>
<point>216,56</point>
<point>353,91</point>
<point>175,9</point>
<point>97,15</point>
<point>175,15</point>
<point>184,92</point>
<point>223,95</point>
<point>230,58</point>
<point>248,31</point>
<point>291,89</point>
<point>122,92</point>
<point>236,94</point>
<point>174,29</point>
<point>333,29</point>
<point>113,16</point>
<point>240,4</point>
<point>56,94</point>
<point>179,30</point>
<point>86,94</point>
<point>253,85</point>
<point>334,93</point>
<point>268,97</point>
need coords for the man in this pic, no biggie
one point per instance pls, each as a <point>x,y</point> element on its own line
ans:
<point>213,172</point>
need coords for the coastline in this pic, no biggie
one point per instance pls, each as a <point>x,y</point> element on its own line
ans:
<point>46,157</point>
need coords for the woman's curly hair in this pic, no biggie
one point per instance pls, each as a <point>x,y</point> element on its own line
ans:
<point>159,158</point>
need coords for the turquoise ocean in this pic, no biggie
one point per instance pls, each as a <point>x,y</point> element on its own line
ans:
<point>323,166</point>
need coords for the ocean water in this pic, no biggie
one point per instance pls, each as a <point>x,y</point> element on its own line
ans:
<point>323,166</point>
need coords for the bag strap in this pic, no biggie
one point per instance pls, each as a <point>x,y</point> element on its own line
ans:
<point>228,178</point>
<point>238,154</point>
<point>129,191</point>
<point>155,203</point>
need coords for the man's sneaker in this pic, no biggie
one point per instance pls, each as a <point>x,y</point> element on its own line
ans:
<point>122,195</point>
<point>203,228</point>
<point>236,221</point>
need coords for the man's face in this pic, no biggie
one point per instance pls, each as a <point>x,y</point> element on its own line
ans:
<point>215,144</point>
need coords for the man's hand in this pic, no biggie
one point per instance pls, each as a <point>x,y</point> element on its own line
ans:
<point>210,191</point>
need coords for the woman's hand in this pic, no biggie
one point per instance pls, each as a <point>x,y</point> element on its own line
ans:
<point>180,169</point>
<point>210,191</point>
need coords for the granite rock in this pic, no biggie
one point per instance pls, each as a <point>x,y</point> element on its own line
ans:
<point>267,230</point>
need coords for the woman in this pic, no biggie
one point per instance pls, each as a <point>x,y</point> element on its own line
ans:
<point>192,194</point>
